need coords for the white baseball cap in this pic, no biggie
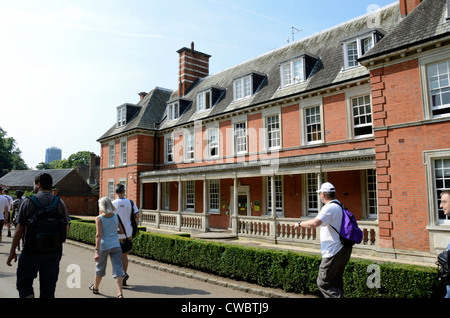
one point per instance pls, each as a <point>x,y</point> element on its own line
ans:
<point>326,187</point>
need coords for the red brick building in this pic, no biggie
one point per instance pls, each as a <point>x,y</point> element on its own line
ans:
<point>360,105</point>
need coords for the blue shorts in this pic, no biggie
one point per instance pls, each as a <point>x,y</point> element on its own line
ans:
<point>115,254</point>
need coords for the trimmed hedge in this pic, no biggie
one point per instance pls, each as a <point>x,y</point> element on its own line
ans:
<point>291,271</point>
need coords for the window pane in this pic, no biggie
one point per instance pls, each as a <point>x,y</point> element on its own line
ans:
<point>273,131</point>
<point>190,194</point>
<point>362,115</point>
<point>442,181</point>
<point>439,83</point>
<point>352,54</point>
<point>313,126</point>
<point>240,138</point>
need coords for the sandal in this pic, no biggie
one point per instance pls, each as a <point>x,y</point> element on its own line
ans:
<point>91,287</point>
<point>120,296</point>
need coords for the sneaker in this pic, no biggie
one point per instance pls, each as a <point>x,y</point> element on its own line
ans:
<point>125,278</point>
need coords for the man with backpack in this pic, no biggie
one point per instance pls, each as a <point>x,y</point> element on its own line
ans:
<point>44,220</point>
<point>335,255</point>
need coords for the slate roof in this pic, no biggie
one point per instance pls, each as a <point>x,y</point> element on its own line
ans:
<point>68,181</point>
<point>428,21</point>
<point>326,46</point>
<point>152,108</point>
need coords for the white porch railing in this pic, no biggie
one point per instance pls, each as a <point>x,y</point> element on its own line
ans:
<point>170,220</point>
<point>285,231</point>
<point>266,228</point>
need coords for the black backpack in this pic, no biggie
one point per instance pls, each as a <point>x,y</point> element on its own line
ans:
<point>46,229</point>
<point>442,263</point>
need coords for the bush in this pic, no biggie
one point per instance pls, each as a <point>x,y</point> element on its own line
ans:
<point>290,271</point>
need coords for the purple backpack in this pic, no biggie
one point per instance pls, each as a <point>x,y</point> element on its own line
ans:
<point>350,233</point>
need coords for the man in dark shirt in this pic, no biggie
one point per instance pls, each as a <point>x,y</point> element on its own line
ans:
<point>30,261</point>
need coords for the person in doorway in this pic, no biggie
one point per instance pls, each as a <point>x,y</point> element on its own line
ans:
<point>126,209</point>
<point>32,260</point>
<point>107,244</point>
<point>335,255</point>
<point>445,206</point>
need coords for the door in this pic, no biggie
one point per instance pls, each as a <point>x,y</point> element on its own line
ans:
<point>242,204</point>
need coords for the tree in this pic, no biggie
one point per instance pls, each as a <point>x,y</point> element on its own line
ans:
<point>10,158</point>
<point>74,160</point>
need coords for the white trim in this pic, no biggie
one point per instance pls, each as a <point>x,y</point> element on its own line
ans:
<point>349,96</point>
<point>425,60</point>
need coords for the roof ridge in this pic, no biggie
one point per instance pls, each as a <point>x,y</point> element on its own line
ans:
<point>309,37</point>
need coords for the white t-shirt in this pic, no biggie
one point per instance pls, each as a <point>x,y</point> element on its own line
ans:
<point>124,212</point>
<point>330,243</point>
<point>3,202</point>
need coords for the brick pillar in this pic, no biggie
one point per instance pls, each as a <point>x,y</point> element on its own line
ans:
<point>382,159</point>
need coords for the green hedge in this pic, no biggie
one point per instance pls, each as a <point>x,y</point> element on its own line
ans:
<point>290,271</point>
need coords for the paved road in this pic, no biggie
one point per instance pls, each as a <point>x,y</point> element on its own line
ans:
<point>148,279</point>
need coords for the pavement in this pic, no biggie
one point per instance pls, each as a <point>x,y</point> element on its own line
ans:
<point>148,279</point>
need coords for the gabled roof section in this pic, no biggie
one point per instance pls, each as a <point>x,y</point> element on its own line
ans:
<point>25,178</point>
<point>428,21</point>
<point>327,71</point>
<point>151,111</point>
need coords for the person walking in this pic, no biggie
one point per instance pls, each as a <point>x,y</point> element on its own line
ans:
<point>126,209</point>
<point>3,212</point>
<point>43,258</point>
<point>107,244</point>
<point>335,255</point>
<point>445,206</point>
<point>15,213</point>
<point>8,218</point>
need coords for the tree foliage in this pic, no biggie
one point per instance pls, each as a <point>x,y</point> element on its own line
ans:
<point>10,158</point>
<point>74,160</point>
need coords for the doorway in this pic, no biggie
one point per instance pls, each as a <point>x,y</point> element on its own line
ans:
<point>244,205</point>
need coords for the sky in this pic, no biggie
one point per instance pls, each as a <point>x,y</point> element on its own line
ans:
<point>65,65</point>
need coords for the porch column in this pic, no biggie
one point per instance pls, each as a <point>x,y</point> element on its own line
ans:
<point>158,195</point>
<point>272,197</point>
<point>319,183</point>
<point>205,225</point>
<point>180,197</point>
<point>234,221</point>
<point>141,201</point>
<point>205,193</point>
<point>273,224</point>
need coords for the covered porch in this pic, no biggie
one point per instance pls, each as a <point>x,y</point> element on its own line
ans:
<point>262,200</point>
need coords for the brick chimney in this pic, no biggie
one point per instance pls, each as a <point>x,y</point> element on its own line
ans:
<point>407,6</point>
<point>193,65</point>
<point>142,95</point>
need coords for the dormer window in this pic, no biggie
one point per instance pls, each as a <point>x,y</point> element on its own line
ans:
<point>173,111</point>
<point>247,85</point>
<point>358,45</point>
<point>121,116</point>
<point>209,97</point>
<point>204,100</point>
<point>126,113</point>
<point>242,87</point>
<point>292,72</point>
<point>297,69</point>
